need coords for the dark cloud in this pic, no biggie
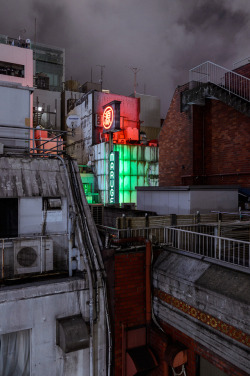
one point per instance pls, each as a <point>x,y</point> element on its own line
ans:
<point>214,15</point>
<point>165,38</point>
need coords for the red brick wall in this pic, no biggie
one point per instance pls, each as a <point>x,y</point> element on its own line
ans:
<point>244,70</point>
<point>159,342</point>
<point>129,297</point>
<point>227,145</point>
<point>175,143</point>
<point>208,145</point>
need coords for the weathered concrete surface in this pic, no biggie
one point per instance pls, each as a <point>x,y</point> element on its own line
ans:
<point>36,307</point>
<point>212,289</point>
<point>31,177</point>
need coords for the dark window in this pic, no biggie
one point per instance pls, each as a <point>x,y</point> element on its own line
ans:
<point>11,69</point>
<point>8,217</point>
<point>205,368</point>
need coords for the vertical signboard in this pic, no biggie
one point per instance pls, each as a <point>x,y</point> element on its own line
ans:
<point>114,177</point>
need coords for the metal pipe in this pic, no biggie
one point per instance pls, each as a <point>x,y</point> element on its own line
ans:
<point>148,281</point>
<point>3,259</point>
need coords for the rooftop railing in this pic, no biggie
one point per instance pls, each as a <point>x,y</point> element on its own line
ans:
<point>20,139</point>
<point>230,81</point>
<point>202,241</point>
<point>231,251</point>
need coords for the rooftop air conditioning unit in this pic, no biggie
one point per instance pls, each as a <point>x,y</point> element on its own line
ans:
<point>33,255</point>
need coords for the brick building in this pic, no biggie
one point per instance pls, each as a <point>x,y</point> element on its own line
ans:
<point>205,138</point>
<point>200,275</point>
<point>192,319</point>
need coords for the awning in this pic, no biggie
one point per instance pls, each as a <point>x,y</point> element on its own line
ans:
<point>175,355</point>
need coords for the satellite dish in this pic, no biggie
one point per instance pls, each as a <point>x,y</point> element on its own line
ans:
<point>73,121</point>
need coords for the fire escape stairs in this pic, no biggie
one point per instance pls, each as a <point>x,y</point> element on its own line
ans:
<point>209,80</point>
<point>197,95</point>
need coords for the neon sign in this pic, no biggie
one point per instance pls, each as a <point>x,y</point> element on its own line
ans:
<point>114,177</point>
<point>111,117</point>
<point>108,117</point>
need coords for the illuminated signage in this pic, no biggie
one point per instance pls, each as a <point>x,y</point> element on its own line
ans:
<point>111,117</point>
<point>114,177</point>
<point>108,117</point>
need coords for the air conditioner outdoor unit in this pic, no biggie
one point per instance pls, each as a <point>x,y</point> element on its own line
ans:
<point>33,255</point>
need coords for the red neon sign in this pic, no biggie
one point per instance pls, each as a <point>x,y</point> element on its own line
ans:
<point>108,117</point>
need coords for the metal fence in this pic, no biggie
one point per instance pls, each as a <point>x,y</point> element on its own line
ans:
<point>232,251</point>
<point>155,234</point>
<point>21,139</point>
<point>232,82</point>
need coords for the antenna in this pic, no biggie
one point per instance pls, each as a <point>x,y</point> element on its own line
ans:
<point>102,68</point>
<point>135,70</point>
<point>21,33</point>
<point>35,50</point>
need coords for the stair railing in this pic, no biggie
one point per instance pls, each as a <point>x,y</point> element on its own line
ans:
<point>230,81</point>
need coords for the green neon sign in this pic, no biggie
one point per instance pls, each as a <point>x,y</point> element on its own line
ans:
<point>114,177</point>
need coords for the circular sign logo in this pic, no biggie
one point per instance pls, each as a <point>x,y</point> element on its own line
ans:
<point>108,116</point>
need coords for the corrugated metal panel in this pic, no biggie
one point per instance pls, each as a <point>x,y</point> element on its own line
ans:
<point>30,177</point>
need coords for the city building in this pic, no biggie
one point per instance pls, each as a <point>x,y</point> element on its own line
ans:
<point>178,288</point>
<point>205,137</point>
<point>16,93</point>
<point>53,298</point>
<point>48,80</point>
<point>94,140</point>
<point>200,241</point>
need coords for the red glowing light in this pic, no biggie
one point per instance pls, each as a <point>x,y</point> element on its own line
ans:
<point>108,116</point>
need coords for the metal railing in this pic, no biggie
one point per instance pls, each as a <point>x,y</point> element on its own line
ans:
<point>230,81</point>
<point>16,139</point>
<point>155,234</point>
<point>228,250</point>
<point>242,62</point>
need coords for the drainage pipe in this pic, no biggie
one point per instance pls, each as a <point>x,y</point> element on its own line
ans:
<point>89,272</point>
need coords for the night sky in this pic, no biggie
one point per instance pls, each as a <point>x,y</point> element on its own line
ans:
<point>164,38</point>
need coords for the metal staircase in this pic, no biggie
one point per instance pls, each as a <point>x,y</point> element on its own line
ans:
<point>209,80</point>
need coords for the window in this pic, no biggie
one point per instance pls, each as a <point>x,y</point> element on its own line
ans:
<point>11,69</point>
<point>8,217</point>
<point>15,354</point>
<point>204,368</point>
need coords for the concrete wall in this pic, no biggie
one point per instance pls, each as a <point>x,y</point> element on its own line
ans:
<point>221,200</point>
<point>185,201</point>
<point>15,104</point>
<point>207,303</point>
<point>32,217</point>
<point>163,202</point>
<point>36,307</point>
<point>82,138</point>
<point>150,110</point>
<point>17,55</point>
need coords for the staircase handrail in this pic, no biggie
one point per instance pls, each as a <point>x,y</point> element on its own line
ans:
<point>230,81</point>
